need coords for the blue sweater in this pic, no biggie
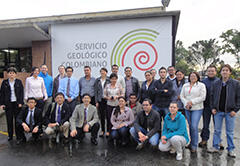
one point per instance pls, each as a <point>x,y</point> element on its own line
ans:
<point>175,127</point>
<point>48,82</point>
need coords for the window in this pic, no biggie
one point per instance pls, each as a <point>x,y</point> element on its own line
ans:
<point>21,59</point>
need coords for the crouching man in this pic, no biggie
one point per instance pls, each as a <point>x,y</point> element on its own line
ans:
<point>85,119</point>
<point>29,121</point>
<point>146,126</point>
<point>57,118</point>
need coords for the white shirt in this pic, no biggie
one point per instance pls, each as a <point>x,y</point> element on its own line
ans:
<point>103,82</point>
<point>13,96</point>
<point>28,117</point>
<point>196,94</point>
<point>35,88</point>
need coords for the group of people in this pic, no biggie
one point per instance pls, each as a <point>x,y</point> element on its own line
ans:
<point>70,107</point>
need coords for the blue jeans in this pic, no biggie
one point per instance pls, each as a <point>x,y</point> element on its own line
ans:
<point>193,118</point>
<point>154,140</point>
<point>121,133</point>
<point>229,122</point>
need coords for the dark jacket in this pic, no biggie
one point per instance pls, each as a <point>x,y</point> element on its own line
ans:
<point>5,92</point>
<point>135,86</point>
<point>153,122</point>
<point>146,93</point>
<point>232,95</point>
<point>50,116</point>
<point>162,99</point>
<point>208,83</point>
<point>98,90</point>
<point>55,85</point>
<point>38,120</point>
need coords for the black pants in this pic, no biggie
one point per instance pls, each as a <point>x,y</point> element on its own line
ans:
<point>12,111</point>
<point>102,113</point>
<point>34,135</point>
<point>71,105</point>
<point>207,114</point>
<point>94,131</point>
<point>109,114</point>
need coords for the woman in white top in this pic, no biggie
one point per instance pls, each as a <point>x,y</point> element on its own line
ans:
<point>193,95</point>
<point>34,87</point>
<point>111,93</point>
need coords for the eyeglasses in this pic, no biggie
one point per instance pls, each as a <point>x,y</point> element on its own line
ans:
<point>145,105</point>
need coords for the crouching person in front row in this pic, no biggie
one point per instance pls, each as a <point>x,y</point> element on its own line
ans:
<point>146,126</point>
<point>85,119</point>
<point>30,121</point>
<point>57,118</point>
<point>174,135</point>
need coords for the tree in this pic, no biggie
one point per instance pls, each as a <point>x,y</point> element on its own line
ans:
<point>204,53</point>
<point>231,44</point>
<point>181,55</point>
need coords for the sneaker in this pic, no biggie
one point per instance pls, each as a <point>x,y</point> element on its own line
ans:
<point>179,156</point>
<point>202,144</point>
<point>140,146</point>
<point>232,154</point>
<point>213,150</point>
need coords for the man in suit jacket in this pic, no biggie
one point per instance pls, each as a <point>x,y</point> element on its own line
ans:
<point>57,116</point>
<point>85,119</point>
<point>30,120</point>
<point>11,99</point>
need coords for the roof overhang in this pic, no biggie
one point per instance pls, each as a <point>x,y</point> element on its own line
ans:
<point>21,32</point>
<point>21,35</point>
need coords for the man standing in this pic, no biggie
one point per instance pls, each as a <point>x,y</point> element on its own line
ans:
<point>86,84</point>
<point>61,75</point>
<point>70,88</point>
<point>207,112</point>
<point>146,126</point>
<point>85,119</point>
<point>29,120</point>
<point>225,98</point>
<point>120,79</point>
<point>162,92</point>
<point>132,83</point>
<point>57,116</point>
<point>48,82</point>
<point>171,73</point>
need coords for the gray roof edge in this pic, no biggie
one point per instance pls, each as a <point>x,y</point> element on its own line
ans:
<point>95,16</point>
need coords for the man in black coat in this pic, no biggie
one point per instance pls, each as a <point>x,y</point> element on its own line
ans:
<point>29,120</point>
<point>57,117</point>
<point>11,99</point>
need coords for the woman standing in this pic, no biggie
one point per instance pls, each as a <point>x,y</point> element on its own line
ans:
<point>147,86</point>
<point>11,99</point>
<point>111,93</point>
<point>193,95</point>
<point>177,87</point>
<point>101,103</point>
<point>122,117</point>
<point>35,88</point>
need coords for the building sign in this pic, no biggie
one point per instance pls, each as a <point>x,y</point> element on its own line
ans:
<point>142,44</point>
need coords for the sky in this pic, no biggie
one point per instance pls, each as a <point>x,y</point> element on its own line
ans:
<point>199,19</point>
